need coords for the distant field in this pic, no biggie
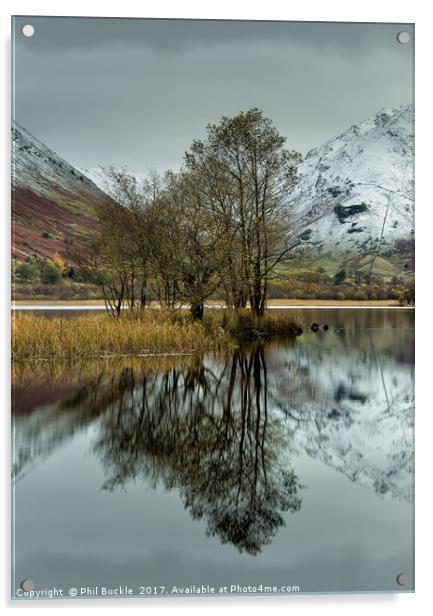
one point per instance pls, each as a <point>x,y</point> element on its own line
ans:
<point>332,302</point>
<point>58,302</point>
<point>271,303</point>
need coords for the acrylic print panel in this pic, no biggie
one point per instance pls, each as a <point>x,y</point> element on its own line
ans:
<point>213,323</point>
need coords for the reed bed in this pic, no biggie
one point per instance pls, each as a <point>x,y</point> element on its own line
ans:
<point>75,371</point>
<point>138,333</point>
<point>243,322</point>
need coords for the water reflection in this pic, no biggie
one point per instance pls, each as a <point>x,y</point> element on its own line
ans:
<point>225,433</point>
<point>208,435</point>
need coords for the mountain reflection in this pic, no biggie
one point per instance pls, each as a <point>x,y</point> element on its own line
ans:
<point>226,433</point>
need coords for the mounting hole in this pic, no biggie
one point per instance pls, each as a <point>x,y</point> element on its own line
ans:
<point>27,585</point>
<point>402,579</point>
<point>28,30</point>
<point>403,37</point>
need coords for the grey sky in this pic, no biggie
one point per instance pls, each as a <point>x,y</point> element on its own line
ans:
<point>136,92</point>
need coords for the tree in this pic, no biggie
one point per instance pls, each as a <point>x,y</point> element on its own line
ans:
<point>135,198</point>
<point>221,222</point>
<point>116,254</point>
<point>219,192</point>
<point>197,240</point>
<point>27,271</point>
<point>108,258</point>
<point>51,272</point>
<point>57,259</point>
<point>248,177</point>
<point>340,276</point>
<point>164,244</point>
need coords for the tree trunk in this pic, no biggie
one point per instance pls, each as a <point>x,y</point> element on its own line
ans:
<point>257,300</point>
<point>143,298</point>
<point>197,311</point>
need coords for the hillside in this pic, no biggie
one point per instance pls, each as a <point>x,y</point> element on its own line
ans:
<point>353,209</point>
<point>53,204</point>
<point>355,196</point>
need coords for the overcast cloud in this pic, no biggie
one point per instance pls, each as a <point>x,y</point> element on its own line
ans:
<point>137,92</point>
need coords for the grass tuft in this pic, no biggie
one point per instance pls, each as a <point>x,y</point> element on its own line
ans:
<point>147,332</point>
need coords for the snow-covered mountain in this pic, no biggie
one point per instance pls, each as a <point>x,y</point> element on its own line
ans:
<point>359,187</point>
<point>99,176</point>
<point>355,194</point>
<point>52,201</point>
<point>37,167</point>
<point>352,410</point>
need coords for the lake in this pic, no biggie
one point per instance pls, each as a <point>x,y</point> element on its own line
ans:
<point>285,464</point>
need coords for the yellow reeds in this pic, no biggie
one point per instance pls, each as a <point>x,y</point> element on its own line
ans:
<point>141,333</point>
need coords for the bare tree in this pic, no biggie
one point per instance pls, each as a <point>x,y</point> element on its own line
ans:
<point>245,156</point>
<point>197,240</point>
<point>220,223</point>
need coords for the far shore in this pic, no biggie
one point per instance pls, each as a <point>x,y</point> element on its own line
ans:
<point>272,303</point>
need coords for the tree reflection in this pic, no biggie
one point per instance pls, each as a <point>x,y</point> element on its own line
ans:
<point>205,431</point>
<point>202,427</point>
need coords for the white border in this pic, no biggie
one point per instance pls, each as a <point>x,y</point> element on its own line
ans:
<point>315,10</point>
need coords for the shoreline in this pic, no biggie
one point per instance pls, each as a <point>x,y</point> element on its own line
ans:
<point>274,304</point>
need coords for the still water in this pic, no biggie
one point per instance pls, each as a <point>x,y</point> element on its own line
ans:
<point>284,464</point>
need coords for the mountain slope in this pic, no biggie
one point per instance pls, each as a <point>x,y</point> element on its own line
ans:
<point>356,192</point>
<point>353,410</point>
<point>53,204</point>
<point>355,196</point>
<point>101,178</point>
<point>98,177</point>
